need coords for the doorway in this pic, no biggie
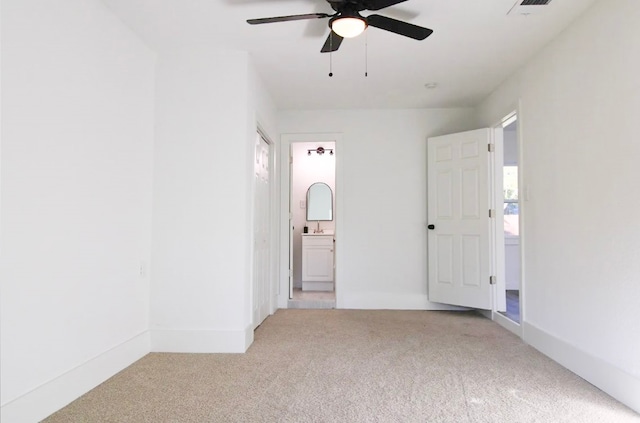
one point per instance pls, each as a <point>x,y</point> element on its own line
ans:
<point>312,168</point>
<point>308,260</point>
<point>511,214</point>
<point>475,257</point>
<point>510,194</point>
<point>508,310</point>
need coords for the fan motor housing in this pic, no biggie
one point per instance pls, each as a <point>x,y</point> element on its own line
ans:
<point>347,6</point>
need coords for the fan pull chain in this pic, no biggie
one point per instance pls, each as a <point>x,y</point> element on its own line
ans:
<point>366,54</point>
<point>331,54</point>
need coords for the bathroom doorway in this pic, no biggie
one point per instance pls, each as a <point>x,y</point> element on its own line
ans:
<point>313,180</point>
<point>308,259</point>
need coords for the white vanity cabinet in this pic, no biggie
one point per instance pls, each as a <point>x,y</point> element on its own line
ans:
<point>317,262</point>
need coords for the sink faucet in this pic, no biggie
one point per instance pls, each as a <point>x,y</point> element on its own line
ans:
<point>318,230</point>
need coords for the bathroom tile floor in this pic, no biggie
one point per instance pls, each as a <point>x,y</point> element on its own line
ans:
<point>312,299</point>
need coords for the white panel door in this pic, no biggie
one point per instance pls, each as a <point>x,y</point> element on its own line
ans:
<point>261,234</point>
<point>458,218</point>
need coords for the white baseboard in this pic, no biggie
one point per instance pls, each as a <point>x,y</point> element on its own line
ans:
<point>48,398</point>
<point>615,382</point>
<point>201,341</point>
<point>506,323</point>
<point>283,300</point>
<point>387,301</point>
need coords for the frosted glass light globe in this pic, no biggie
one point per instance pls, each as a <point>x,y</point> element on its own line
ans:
<point>348,27</point>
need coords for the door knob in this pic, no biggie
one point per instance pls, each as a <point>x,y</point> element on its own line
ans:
<point>431,227</point>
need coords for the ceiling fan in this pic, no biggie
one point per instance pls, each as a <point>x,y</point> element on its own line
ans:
<point>348,23</point>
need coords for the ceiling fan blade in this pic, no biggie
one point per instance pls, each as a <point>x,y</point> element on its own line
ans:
<point>288,18</point>
<point>381,4</point>
<point>332,44</point>
<point>402,28</point>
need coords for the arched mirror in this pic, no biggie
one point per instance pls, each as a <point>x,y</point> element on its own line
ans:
<point>319,202</point>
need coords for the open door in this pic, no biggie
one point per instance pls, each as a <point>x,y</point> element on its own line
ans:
<point>459,219</point>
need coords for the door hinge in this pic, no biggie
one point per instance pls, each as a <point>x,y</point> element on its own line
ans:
<point>290,159</point>
<point>492,280</point>
<point>492,213</point>
<point>491,148</point>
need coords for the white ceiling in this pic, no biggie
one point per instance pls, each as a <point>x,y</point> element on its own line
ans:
<point>474,47</point>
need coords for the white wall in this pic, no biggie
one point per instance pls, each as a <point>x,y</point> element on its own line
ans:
<point>77,139</point>
<point>381,199</point>
<point>580,99</point>
<point>203,181</point>
<point>305,171</point>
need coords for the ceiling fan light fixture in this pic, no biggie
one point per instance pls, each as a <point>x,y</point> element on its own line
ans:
<point>348,26</point>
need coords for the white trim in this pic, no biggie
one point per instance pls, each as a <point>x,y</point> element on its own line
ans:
<point>522,211</point>
<point>507,323</point>
<point>619,384</point>
<point>515,114</point>
<point>509,119</point>
<point>201,341</point>
<point>53,395</point>
<point>390,301</point>
<point>496,194</point>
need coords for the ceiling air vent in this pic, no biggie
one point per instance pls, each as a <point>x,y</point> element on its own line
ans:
<point>535,2</point>
<point>529,7</point>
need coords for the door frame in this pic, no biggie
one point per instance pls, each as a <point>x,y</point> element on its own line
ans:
<point>499,256</point>
<point>284,212</point>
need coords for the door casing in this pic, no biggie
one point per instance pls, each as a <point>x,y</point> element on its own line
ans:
<point>499,259</point>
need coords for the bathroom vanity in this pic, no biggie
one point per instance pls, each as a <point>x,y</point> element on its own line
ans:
<point>317,261</point>
<point>318,246</point>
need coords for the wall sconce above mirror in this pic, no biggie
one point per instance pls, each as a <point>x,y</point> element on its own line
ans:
<point>320,151</point>
<point>319,202</point>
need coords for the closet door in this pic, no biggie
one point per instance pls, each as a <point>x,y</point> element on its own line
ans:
<point>261,233</point>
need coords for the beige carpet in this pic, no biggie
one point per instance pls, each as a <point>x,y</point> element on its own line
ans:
<point>354,366</point>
